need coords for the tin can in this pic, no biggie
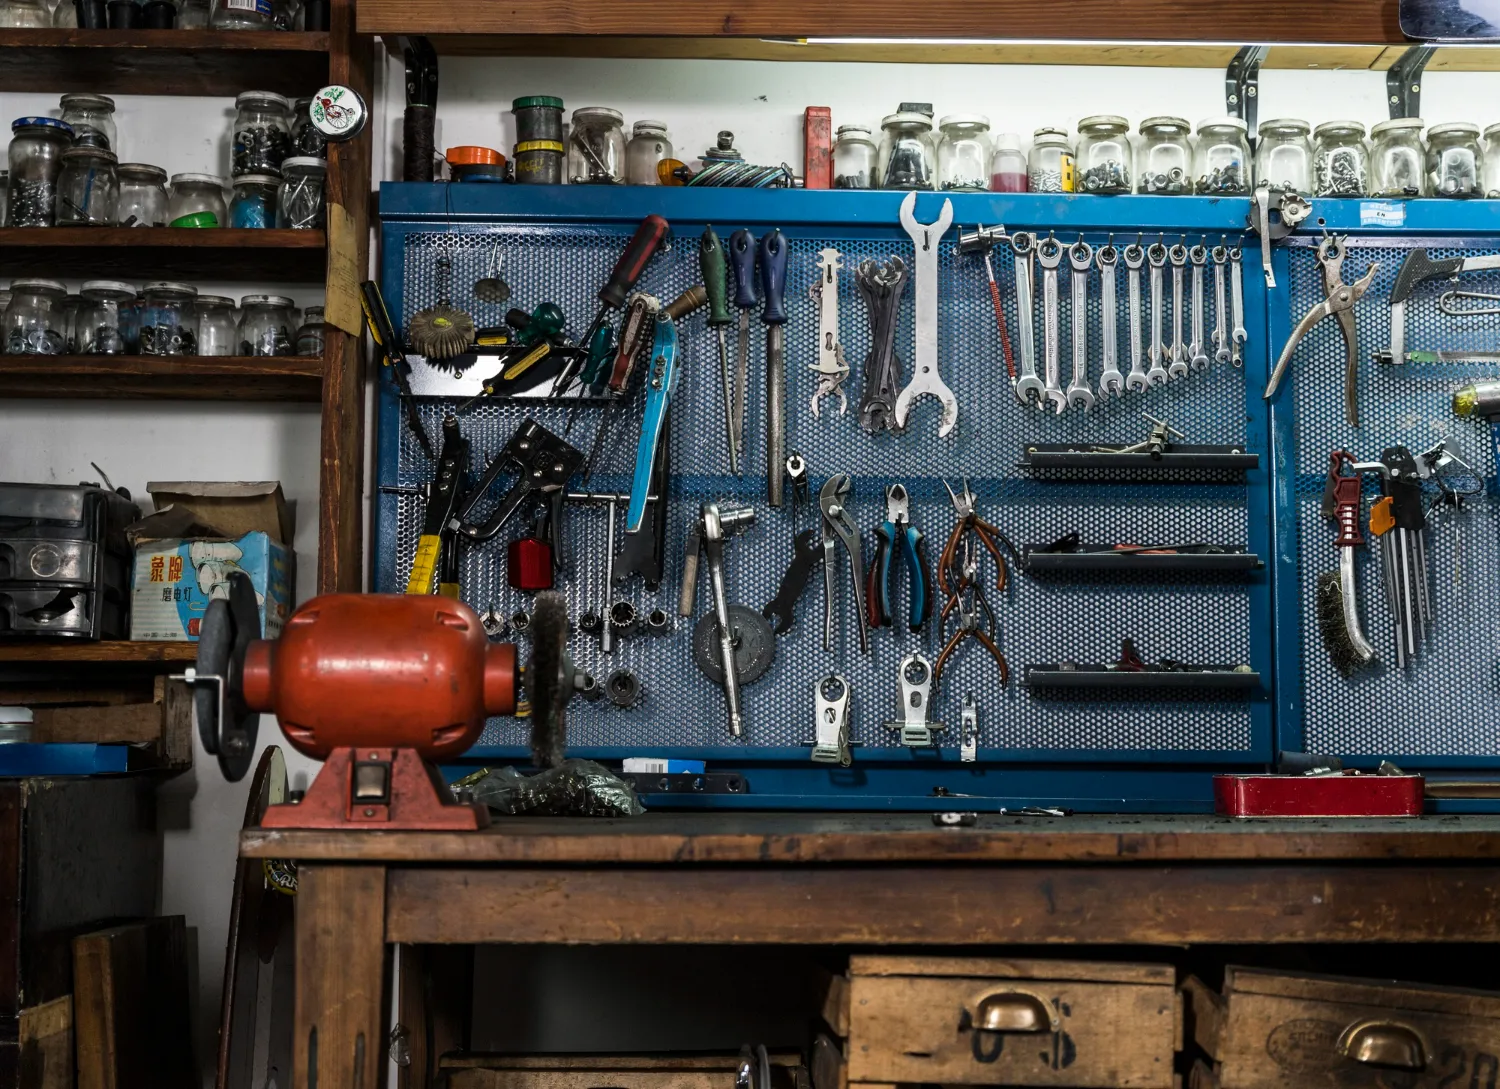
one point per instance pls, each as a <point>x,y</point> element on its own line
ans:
<point>538,154</point>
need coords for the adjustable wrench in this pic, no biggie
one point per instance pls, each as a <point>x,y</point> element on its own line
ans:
<point>925,379</point>
<point>1110,379</point>
<point>1134,258</point>
<point>1198,256</point>
<point>1178,367</point>
<point>1029,389</point>
<point>1237,290</point>
<point>1049,255</point>
<point>1156,254</point>
<point>1080,393</point>
<point>1220,257</point>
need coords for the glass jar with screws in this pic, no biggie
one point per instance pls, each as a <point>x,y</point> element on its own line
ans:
<point>1008,165</point>
<point>1283,157</point>
<point>197,201</point>
<point>1221,161</point>
<point>98,325</point>
<point>1103,155</point>
<point>1455,162</point>
<point>306,139</point>
<point>310,332</point>
<point>143,195</point>
<point>33,321</point>
<point>963,154</point>
<point>254,201</point>
<point>854,158</point>
<point>242,15</point>
<point>218,326</point>
<point>1049,168</point>
<point>262,136</point>
<point>596,147</point>
<point>299,202</point>
<point>1398,160</point>
<point>1341,162</point>
<point>1164,157</point>
<point>92,118</point>
<point>169,320</point>
<point>266,325</point>
<point>649,145</point>
<point>88,188</point>
<point>908,155</point>
<point>36,149</point>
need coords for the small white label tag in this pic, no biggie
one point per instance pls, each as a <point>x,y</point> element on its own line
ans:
<point>1383,213</point>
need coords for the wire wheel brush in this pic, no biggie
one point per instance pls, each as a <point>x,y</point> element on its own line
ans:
<point>441,331</point>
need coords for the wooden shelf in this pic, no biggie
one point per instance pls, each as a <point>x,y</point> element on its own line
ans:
<point>171,378</point>
<point>163,62</point>
<point>116,652</point>
<point>139,254</point>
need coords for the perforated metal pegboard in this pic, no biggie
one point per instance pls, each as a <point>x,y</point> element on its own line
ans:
<point>1040,620</point>
<point>1444,703</point>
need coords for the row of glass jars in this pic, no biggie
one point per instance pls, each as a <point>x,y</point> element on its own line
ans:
<point>168,14</point>
<point>109,317</point>
<point>1396,161</point>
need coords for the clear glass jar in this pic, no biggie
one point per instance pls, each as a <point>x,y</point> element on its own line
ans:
<point>596,147</point>
<point>143,195</point>
<point>218,326</point>
<point>1164,157</point>
<point>1341,161</point>
<point>65,16</point>
<point>4,198</point>
<point>1455,163</point>
<point>92,117</point>
<point>169,320</point>
<point>266,326</point>
<point>1221,161</point>
<point>299,201</point>
<point>37,145</point>
<point>262,136</point>
<point>908,155</point>
<point>1491,162</point>
<point>649,145</point>
<point>197,201</point>
<point>98,324</point>
<point>1283,157</point>
<point>88,189</point>
<point>306,137</point>
<point>1049,168</point>
<point>1008,164</point>
<point>130,323</point>
<point>4,302</point>
<point>254,201</point>
<point>242,15</point>
<point>24,14</point>
<point>964,152</point>
<point>192,14</point>
<point>854,158</point>
<point>1103,155</point>
<point>310,332</point>
<point>1398,161</point>
<point>34,318</point>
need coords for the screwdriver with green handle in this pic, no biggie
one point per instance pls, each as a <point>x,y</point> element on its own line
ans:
<point>715,270</point>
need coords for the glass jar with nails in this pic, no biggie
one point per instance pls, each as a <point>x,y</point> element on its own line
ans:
<point>1221,162</point>
<point>88,188</point>
<point>1455,161</point>
<point>596,147</point>
<point>1341,162</point>
<point>1283,157</point>
<point>299,203</point>
<point>1164,157</point>
<point>1398,159</point>
<point>1103,155</point>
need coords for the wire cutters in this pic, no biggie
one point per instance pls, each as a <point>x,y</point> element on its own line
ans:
<point>1339,304</point>
<point>969,521</point>
<point>897,540</point>
<point>975,619</point>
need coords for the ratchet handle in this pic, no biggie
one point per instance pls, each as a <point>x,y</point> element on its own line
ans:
<point>773,277</point>
<point>715,270</point>
<point>742,253</point>
<point>644,243</point>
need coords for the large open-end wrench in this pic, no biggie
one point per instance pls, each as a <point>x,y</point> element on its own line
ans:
<point>1111,381</point>
<point>1080,393</point>
<point>1237,335</point>
<point>1198,258</point>
<point>1134,258</point>
<point>1220,258</point>
<point>1029,388</point>
<point>1156,254</point>
<point>1049,254</point>
<point>1177,366</point>
<point>925,379</point>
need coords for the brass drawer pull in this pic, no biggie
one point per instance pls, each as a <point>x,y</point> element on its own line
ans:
<point>1384,1043</point>
<point>1012,1011</point>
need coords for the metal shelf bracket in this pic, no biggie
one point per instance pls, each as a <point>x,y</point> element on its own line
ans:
<point>1242,84</point>
<point>1403,81</point>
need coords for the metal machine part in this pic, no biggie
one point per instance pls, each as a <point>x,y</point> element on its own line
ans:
<point>831,721</point>
<point>1080,393</point>
<point>1419,268</point>
<point>752,643</point>
<point>914,679</point>
<point>623,688</point>
<point>658,622</point>
<point>624,619</point>
<point>721,630</point>
<point>968,730</point>
<point>807,556</point>
<point>839,527</point>
<point>831,367</point>
<point>926,379</point>
<point>1029,388</point>
<point>1049,254</point>
<point>1274,214</point>
<point>1111,381</point>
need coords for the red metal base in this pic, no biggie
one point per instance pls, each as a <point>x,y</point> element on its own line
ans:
<point>414,798</point>
<point>1345,795</point>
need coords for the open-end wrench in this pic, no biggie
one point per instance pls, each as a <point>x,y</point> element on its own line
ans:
<point>1029,389</point>
<point>1134,258</point>
<point>1156,254</point>
<point>1049,254</point>
<point>1198,258</point>
<point>1111,381</point>
<point>1177,366</point>
<point>925,379</point>
<point>1080,393</point>
<point>1220,258</point>
<point>1237,335</point>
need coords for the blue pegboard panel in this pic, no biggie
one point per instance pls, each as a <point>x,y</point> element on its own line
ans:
<point>1032,749</point>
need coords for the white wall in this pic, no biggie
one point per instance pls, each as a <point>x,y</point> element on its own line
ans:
<point>760,101</point>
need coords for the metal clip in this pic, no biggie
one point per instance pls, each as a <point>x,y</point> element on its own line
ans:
<point>915,677</point>
<point>968,731</point>
<point>831,732</point>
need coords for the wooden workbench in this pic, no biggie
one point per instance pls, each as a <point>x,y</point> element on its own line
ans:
<point>782,879</point>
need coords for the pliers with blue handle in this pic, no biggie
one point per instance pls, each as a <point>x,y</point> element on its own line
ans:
<point>897,539</point>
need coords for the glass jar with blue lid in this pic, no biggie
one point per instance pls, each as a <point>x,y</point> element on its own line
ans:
<point>36,152</point>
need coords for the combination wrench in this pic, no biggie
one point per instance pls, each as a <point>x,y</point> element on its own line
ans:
<point>1049,254</point>
<point>1156,255</point>
<point>1220,258</point>
<point>1178,367</point>
<point>1198,258</point>
<point>1237,290</point>
<point>925,380</point>
<point>1080,393</point>
<point>1029,389</point>
<point>1111,381</point>
<point>1135,258</point>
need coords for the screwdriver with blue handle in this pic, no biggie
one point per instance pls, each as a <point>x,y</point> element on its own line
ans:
<point>742,256</point>
<point>715,277</point>
<point>897,540</point>
<point>773,287</point>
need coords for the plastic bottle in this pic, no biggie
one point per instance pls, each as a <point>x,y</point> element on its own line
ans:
<point>1008,167</point>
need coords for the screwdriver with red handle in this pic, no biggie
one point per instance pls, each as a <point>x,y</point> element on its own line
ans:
<point>647,239</point>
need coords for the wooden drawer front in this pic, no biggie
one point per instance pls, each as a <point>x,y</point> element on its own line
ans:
<point>918,1029</point>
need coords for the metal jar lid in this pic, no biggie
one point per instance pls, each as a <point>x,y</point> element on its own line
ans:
<point>1493,131</point>
<point>852,130</point>
<point>267,98</point>
<point>1107,121</point>
<point>1228,121</point>
<point>1453,128</point>
<point>1341,128</point>
<point>75,153</point>
<point>210,302</point>
<point>587,114</point>
<point>280,302</point>
<point>35,287</point>
<point>62,127</point>
<point>967,120</point>
<point>307,315</point>
<point>199,179</point>
<point>908,119</point>
<point>338,112</point>
<point>107,288</point>
<point>87,102</point>
<point>1398,124</point>
<point>171,288</point>
<point>534,102</point>
<point>1284,126</point>
<point>1049,134</point>
<point>142,172</point>
<point>257,179</point>
<point>649,128</point>
<point>1166,121</point>
<point>305,162</point>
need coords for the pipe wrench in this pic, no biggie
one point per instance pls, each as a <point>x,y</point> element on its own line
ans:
<point>925,378</point>
<point>831,368</point>
<point>1029,388</point>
